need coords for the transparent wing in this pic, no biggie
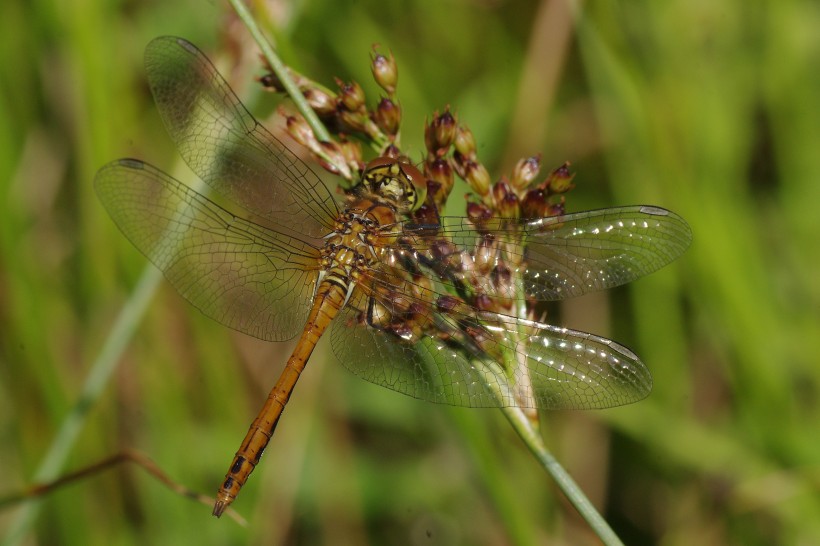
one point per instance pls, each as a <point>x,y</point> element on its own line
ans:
<point>578,253</point>
<point>457,362</point>
<point>241,274</point>
<point>562,256</point>
<point>223,143</point>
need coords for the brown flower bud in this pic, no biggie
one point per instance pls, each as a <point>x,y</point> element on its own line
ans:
<point>402,330</point>
<point>391,151</point>
<point>478,212</point>
<point>557,209</point>
<point>301,131</point>
<point>320,101</point>
<point>534,204</point>
<point>525,172</point>
<point>271,82</point>
<point>501,190</point>
<point>442,250</point>
<point>328,166</point>
<point>421,318</point>
<point>479,336</point>
<point>388,116</point>
<point>464,141</point>
<point>435,192</point>
<point>439,134</point>
<point>445,304</point>
<point>353,121</point>
<point>508,206</point>
<point>351,95</point>
<point>441,171</point>
<point>427,216</point>
<point>502,278</point>
<point>560,180</point>
<point>477,177</point>
<point>352,153</point>
<point>479,215</point>
<point>333,154</point>
<point>385,71</point>
<point>485,255</point>
<point>483,302</point>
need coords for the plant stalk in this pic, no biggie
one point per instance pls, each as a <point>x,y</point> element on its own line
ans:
<point>532,438</point>
<point>281,71</point>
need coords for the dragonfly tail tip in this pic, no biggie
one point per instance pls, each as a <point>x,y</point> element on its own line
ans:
<point>219,508</point>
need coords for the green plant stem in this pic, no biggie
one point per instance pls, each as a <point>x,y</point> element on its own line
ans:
<point>101,370</point>
<point>532,438</point>
<point>281,71</point>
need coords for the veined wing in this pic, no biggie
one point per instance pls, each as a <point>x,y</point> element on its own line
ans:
<point>243,275</point>
<point>454,358</point>
<point>560,257</point>
<point>416,337</point>
<point>231,151</point>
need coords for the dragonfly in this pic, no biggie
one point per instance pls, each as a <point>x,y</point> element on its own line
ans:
<point>272,253</point>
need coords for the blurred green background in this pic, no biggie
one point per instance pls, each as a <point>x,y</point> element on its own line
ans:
<point>711,109</point>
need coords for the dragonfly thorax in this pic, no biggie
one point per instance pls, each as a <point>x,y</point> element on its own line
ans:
<point>352,246</point>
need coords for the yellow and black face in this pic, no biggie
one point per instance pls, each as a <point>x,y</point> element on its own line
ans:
<point>401,184</point>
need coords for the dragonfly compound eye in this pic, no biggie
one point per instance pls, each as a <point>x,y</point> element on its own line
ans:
<point>400,183</point>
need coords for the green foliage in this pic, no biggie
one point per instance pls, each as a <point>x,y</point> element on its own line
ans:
<point>708,109</point>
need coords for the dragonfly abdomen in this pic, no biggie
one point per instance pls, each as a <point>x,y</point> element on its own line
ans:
<point>330,298</point>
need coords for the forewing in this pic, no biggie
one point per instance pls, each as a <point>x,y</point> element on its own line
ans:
<point>223,143</point>
<point>239,273</point>
<point>571,255</point>
<point>563,256</point>
<point>458,361</point>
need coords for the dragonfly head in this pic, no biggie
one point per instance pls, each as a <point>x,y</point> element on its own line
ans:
<point>400,183</point>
